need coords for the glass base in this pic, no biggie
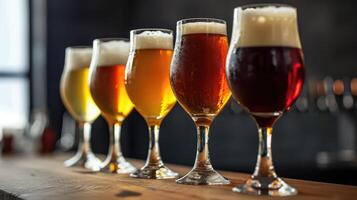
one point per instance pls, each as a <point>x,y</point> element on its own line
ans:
<point>119,166</point>
<point>203,177</point>
<point>266,186</point>
<point>88,161</point>
<point>154,172</point>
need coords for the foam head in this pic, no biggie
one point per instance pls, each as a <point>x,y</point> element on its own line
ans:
<point>78,57</point>
<point>265,26</point>
<point>151,39</point>
<point>195,27</point>
<point>109,53</point>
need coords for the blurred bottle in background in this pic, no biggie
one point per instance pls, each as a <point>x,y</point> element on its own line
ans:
<point>68,140</point>
<point>39,137</point>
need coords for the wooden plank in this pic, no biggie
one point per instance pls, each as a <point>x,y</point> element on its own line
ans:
<point>46,178</point>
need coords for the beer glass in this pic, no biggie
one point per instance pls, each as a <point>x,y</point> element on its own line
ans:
<point>108,91</point>
<point>265,74</point>
<point>148,86</point>
<point>198,80</point>
<point>76,97</point>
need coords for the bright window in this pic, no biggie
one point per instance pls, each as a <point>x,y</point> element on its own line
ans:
<point>14,63</point>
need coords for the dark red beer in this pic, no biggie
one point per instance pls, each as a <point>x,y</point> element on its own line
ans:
<point>197,73</point>
<point>266,80</point>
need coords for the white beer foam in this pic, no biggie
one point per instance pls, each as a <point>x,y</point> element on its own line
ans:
<point>78,58</point>
<point>203,27</point>
<point>112,53</point>
<point>266,26</point>
<point>152,40</point>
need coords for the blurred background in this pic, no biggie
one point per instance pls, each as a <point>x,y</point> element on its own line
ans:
<point>316,140</point>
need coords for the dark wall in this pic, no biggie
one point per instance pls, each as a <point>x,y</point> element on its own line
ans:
<point>72,23</point>
<point>328,31</point>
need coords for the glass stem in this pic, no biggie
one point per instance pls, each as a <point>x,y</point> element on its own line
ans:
<point>84,138</point>
<point>264,166</point>
<point>202,156</point>
<point>114,142</point>
<point>154,158</point>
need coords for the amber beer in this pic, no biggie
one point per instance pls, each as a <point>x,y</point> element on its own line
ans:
<point>107,82</point>
<point>108,91</point>
<point>198,69</point>
<point>147,77</point>
<point>198,80</point>
<point>74,85</point>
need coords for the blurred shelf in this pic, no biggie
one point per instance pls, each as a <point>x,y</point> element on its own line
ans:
<point>46,178</point>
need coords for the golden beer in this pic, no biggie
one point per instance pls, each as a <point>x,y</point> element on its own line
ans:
<point>76,95</point>
<point>148,84</point>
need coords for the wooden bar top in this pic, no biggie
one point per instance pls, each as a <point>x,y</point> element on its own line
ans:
<point>46,178</point>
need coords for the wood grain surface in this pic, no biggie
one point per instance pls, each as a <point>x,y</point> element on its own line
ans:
<point>46,178</point>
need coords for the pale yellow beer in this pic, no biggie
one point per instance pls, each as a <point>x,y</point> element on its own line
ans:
<point>75,88</point>
<point>77,99</point>
<point>147,78</point>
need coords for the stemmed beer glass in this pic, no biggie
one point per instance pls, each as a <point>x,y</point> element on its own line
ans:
<point>198,80</point>
<point>76,97</point>
<point>148,86</point>
<point>108,91</point>
<point>265,73</point>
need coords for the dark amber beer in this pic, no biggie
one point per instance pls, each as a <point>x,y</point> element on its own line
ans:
<point>269,79</point>
<point>197,71</point>
<point>265,67</point>
<point>265,71</point>
<point>108,91</point>
<point>197,77</point>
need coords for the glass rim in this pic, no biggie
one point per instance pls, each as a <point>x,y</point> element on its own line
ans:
<point>109,39</point>
<point>80,47</point>
<point>140,30</point>
<point>200,19</point>
<point>262,5</point>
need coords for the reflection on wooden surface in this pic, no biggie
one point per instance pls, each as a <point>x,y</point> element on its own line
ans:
<point>46,178</point>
